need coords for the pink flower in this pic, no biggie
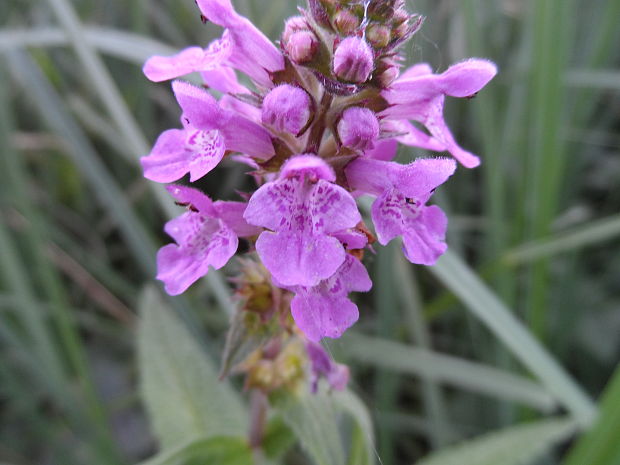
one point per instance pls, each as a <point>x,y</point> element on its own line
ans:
<point>159,68</point>
<point>419,95</point>
<point>322,365</point>
<point>206,235</point>
<point>209,131</point>
<point>400,208</point>
<point>325,310</point>
<point>301,209</point>
<point>251,51</point>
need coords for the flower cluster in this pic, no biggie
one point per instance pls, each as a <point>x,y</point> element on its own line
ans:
<point>320,127</point>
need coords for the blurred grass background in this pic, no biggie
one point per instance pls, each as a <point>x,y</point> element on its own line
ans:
<point>79,226</point>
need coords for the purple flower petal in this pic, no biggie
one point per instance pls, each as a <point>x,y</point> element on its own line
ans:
<point>206,151</point>
<point>202,241</point>
<point>231,213</point>
<point>420,96</point>
<point>192,197</point>
<point>413,136</point>
<point>294,258</point>
<point>434,121</point>
<point>245,136</point>
<point>419,69</point>
<point>252,52</point>
<point>178,152</point>
<point>223,79</point>
<point>420,177</point>
<point>303,208</point>
<point>325,310</point>
<point>351,239</point>
<point>321,364</point>
<point>320,316</point>
<point>160,68</point>
<point>168,160</point>
<point>383,150</point>
<point>424,243</point>
<point>240,134</point>
<point>307,165</point>
<point>400,208</point>
<point>468,77</point>
<point>368,175</point>
<point>199,107</point>
<point>247,110</point>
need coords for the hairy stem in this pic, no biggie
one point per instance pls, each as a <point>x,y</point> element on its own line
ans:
<point>318,127</point>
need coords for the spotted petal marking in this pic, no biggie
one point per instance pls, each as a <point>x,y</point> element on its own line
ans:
<point>202,241</point>
<point>205,149</point>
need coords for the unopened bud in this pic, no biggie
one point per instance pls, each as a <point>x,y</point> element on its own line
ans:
<point>299,42</point>
<point>383,9</point>
<point>386,73</point>
<point>358,129</point>
<point>353,60</point>
<point>320,10</point>
<point>346,22</point>
<point>378,35</point>
<point>400,16</point>
<point>402,30</point>
<point>287,109</point>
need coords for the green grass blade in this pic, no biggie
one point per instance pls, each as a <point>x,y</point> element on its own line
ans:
<point>441,368</point>
<point>592,233</point>
<point>600,445</point>
<point>51,107</point>
<point>485,305</point>
<point>431,391</point>
<point>109,95</point>
<point>517,445</point>
<point>34,233</point>
<point>386,385</point>
<point>594,79</point>
<point>113,42</point>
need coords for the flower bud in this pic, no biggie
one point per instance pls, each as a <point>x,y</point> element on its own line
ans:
<point>378,35</point>
<point>299,42</point>
<point>353,60</point>
<point>383,9</point>
<point>287,109</point>
<point>386,73</point>
<point>320,10</point>
<point>358,129</point>
<point>346,22</point>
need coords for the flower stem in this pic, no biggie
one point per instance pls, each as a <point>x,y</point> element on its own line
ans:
<point>258,419</point>
<point>318,127</point>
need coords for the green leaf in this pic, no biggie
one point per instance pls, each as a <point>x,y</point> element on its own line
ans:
<point>278,438</point>
<point>487,307</point>
<point>600,446</point>
<point>362,451</point>
<point>316,421</point>
<point>217,450</point>
<point>180,386</point>
<point>517,445</point>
